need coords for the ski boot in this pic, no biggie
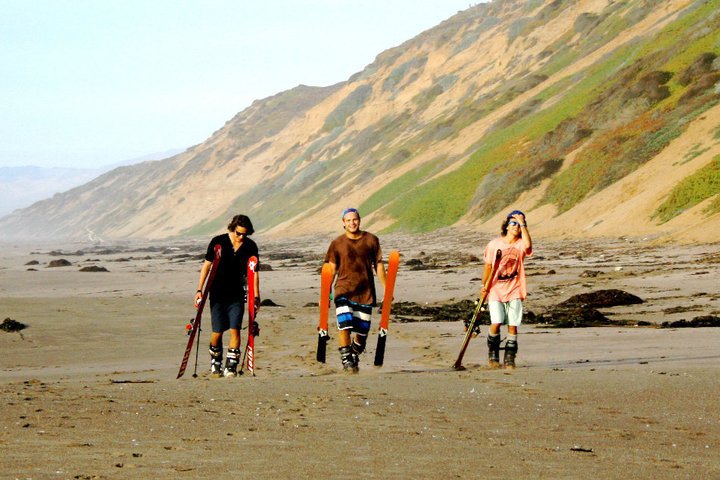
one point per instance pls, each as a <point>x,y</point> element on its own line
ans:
<point>511,348</point>
<point>348,361</point>
<point>493,343</point>
<point>233,358</point>
<point>356,349</point>
<point>216,361</point>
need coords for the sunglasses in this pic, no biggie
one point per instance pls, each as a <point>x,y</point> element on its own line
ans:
<point>240,234</point>
<point>513,223</point>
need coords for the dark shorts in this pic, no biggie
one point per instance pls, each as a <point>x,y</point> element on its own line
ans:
<point>227,315</point>
<point>353,316</point>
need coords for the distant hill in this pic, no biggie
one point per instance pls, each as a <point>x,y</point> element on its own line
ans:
<point>22,186</point>
<point>596,117</point>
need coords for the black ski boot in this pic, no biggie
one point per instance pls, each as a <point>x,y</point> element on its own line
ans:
<point>216,361</point>
<point>493,343</point>
<point>356,349</point>
<point>233,357</point>
<point>348,361</point>
<point>511,348</point>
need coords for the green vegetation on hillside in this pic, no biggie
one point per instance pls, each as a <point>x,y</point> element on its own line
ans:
<point>701,185</point>
<point>505,152</point>
<point>399,73</point>
<point>349,105</point>
<point>513,155</point>
<point>622,110</point>
<point>618,151</point>
<point>389,192</point>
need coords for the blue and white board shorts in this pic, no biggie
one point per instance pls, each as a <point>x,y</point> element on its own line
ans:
<point>509,313</point>
<point>353,316</point>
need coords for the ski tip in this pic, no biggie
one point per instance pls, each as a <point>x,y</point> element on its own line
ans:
<point>326,270</point>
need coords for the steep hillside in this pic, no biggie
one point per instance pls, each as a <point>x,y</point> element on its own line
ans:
<point>595,117</point>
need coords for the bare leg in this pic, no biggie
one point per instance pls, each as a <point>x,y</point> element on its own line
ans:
<point>344,338</point>
<point>234,338</point>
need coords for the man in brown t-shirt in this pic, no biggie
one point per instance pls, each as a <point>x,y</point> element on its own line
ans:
<point>353,257</point>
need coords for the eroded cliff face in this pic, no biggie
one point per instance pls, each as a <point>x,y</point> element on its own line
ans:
<point>594,117</point>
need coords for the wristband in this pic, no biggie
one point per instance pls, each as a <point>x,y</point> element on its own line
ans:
<point>199,291</point>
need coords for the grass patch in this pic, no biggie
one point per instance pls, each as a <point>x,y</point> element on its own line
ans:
<point>714,206</point>
<point>695,152</point>
<point>390,192</point>
<point>692,190</point>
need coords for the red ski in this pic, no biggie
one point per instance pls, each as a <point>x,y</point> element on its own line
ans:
<point>195,325</point>
<point>476,315</point>
<point>393,264</point>
<point>326,278</point>
<point>250,348</point>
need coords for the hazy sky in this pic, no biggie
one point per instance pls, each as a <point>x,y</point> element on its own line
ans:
<point>92,82</point>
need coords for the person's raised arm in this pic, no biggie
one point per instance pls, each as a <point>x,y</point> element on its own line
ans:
<point>526,238</point>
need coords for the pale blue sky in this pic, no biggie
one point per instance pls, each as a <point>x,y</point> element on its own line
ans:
<point>87,83</point>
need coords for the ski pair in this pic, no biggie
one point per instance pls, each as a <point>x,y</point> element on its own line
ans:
<point>326,278</point>
<point>478,308</point>
<point>193,328</point>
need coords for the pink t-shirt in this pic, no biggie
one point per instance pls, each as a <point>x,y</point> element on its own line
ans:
<point>509,282</point>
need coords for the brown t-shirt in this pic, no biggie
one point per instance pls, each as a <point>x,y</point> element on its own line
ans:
<point>355,261</point>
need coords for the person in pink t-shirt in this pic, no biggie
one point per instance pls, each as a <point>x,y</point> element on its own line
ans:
<point>508,288</point>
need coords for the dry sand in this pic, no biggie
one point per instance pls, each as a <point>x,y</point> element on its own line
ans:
<point>88,390</point>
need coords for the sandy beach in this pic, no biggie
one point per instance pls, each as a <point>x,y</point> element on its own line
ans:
<point>88,389</point>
